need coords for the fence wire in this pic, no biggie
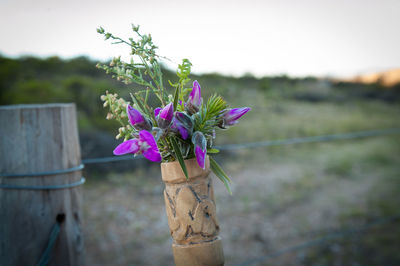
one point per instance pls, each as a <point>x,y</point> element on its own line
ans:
<point>267,143</point>
<point>322,138</point>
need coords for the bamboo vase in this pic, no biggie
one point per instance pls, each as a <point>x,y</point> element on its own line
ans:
<point>190,207</point>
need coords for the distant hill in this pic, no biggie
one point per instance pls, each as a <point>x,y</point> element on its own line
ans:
<point>386,78</point>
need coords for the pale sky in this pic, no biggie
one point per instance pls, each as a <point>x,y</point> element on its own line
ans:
<point>298,37</point>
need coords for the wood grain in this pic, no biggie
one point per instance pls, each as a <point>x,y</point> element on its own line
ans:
<point>191,212</point>
<point>37,138</point>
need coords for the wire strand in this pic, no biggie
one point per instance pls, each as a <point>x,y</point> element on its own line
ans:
<point>54,172</point>
<point>267,143</point>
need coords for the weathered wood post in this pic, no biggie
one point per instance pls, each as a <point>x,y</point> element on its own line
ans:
<point>40,139</point>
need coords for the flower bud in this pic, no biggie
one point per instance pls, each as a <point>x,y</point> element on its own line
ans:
<point>157,111</point>
<point>109,116</point>
<point>183,124</point>
<point>200,148</point>
<point>165,116</point>
<point>230,116</point>
<point>100,30</point>
<point>137,120</point>
<point>157,132</point>
<point>194,102</point>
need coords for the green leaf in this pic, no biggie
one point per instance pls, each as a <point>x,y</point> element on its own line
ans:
<point>179,156</point>
<point>138,103</point>
<point>176,97</point>
<point>212,150</point>
<point>173,84</point>
<point>220,174</point>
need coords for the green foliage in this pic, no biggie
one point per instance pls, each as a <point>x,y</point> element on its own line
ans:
<point>217,170</point>
<point>207,117</point>
<point>179,156</point>
<point>183,73</point>
<point>144,70</point>
<point>143,64</point>
<point>282,109</point>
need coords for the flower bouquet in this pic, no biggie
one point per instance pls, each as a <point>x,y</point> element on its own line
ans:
<point>178,131</point>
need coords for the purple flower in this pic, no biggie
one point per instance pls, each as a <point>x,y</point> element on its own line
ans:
<point>195,95</point>
<point>129,146</point>
<point>167,112</point>
<point>195,100</point>
<point>200,148</point>
<point>137,120</point>
<point>149,146</point>
<point>145,145</point>
<point>134,115</point>
<point>183,124</point>
<point>157,111</point>
<point>231,116</point>
<point>176,127</point>
<point>165,115</point>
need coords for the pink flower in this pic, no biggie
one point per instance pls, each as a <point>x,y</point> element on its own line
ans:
<point>183,124</point>
<point>194,102</point>
<point>231,116</point>
<point>200,148</point>
<point>167,112</point>
<point>164,116</point>
<point>137,120</point>
<point>195,95</point>
<point>157,111</point>
<point>145,145</point>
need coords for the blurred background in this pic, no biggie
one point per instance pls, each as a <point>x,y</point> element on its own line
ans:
<point>306,68</point>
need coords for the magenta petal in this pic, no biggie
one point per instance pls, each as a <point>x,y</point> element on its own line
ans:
<point>183,131</point>
<point>198,139</point>
<point>174,124</point>
<point>152,152</point>
<point>195,94</point>
<point>134,115</point>
<point>236,113</point>
<point>232,115</point>
<point>167,112</point>
<point>129,146</point>
<point>157,111</point>
<point>185,120</point>
<point>152,155</point>
<point>146,136</point>
<point>200,156</point>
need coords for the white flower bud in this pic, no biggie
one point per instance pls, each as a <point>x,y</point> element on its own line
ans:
<point>109,116</point>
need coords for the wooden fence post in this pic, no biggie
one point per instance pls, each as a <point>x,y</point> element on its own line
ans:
<point>37,139</point>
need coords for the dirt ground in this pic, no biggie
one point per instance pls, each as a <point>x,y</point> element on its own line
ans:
<point>282,197</point>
